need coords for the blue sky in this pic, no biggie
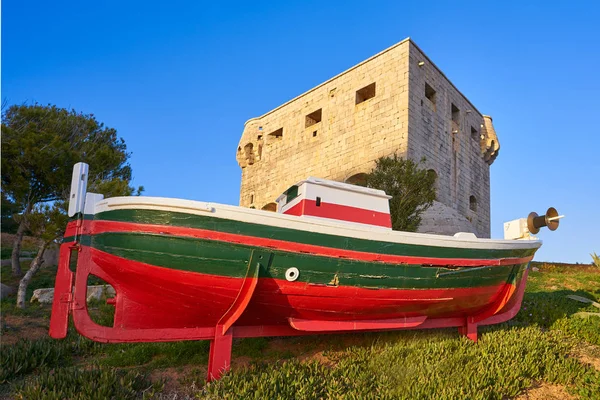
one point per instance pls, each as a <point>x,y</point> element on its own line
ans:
<point>179,79</point>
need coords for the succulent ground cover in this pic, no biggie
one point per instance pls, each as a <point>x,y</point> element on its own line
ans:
<point>551,346</point>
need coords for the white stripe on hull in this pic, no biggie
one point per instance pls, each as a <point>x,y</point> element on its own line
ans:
<point>323,226</point>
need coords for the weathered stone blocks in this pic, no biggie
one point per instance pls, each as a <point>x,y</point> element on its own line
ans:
<point>397,101</point>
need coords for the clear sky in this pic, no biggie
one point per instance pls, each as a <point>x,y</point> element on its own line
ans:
<point>179,79</point>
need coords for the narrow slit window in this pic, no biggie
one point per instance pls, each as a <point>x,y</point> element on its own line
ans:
<point>314,118</point>
<point>472,203</point>
<point>474,134</point>
<point>455,115</point>
<point>318,202</point>
<point>366,93</point>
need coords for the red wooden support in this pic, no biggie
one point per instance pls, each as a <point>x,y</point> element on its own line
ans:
<point>219,359</point>
<point>61,303</point>
<point>469,329</point>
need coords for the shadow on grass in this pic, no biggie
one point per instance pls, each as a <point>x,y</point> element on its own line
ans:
<point>546,310</point>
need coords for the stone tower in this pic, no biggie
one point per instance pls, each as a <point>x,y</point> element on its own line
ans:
<point>396,101</point>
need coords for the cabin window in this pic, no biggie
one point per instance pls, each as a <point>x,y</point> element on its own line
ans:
<point>472,203</point>
<point>314,118</point>
<point>278,134</point>
<point>366,93</point>
<point>291,193</point>
<point>318,201</point>
<point>430,94</point>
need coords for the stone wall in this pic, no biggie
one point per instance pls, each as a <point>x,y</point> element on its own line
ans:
<point>346,140</point>
<point>396,101</point>
<point>445,128</point>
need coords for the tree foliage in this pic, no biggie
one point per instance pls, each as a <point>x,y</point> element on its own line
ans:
<point>40,145</point>
<point>412,189</point>
<point>9,209</point>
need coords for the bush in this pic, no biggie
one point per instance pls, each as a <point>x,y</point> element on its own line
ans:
<point>412,190</point>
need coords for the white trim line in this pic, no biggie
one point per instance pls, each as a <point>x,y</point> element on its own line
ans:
<point>324,226</point>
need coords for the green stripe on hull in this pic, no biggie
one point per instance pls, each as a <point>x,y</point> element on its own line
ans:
<point>293,235</point>
<point>229,259</point>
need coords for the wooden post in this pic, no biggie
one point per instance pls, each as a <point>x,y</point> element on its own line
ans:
<point>219,359</point>
<point>469,329</point>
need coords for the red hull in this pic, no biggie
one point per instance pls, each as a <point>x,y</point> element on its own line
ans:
<point>160,304</point>
<point>156,297</point>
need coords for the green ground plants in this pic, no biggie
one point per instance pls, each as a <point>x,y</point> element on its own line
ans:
<point>537,346</point>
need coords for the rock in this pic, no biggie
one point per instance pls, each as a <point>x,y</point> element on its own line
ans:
<point>6,290</point>
<point>45,296</point>
<point>535,269</point>
<point>50,256</point>
<point>96,292</point>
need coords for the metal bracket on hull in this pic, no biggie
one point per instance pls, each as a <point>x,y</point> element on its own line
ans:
<point>219,359</point>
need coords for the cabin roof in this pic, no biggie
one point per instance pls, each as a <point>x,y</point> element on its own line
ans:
<point>344,186</point>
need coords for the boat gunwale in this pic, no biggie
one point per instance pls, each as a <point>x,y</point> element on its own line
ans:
<point>321,225</point>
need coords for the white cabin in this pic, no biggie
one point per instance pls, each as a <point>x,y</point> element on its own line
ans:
<point>321,198</point>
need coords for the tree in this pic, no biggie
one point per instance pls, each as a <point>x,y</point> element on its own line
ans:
<point>9,209</point>
<point>40,144</point>
<point>412,189</point>
<point>47,222</point>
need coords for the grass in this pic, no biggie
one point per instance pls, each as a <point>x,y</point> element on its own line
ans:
<point>539,345</point>
<point>421,366</point>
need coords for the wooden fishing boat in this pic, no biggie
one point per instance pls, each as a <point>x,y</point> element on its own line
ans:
<point>327,262</point>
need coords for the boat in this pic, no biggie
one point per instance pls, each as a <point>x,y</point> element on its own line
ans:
<point>326,262</point>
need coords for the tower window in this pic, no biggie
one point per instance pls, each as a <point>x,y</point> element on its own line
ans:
<point>314,118</point>
<point>366,93</point>
<point>278,134</point>
<point>474,134</point>
<point>455,115</point>
<point>430,94</point>
<point>472,203</point>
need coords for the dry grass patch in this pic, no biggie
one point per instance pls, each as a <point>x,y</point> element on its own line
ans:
<point>546,391</point>
<point>16,327</point>
<point>588,354</point>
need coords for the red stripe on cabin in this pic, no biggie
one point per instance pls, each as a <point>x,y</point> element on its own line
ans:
<point>340,212</point>
<point>96,227</point>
